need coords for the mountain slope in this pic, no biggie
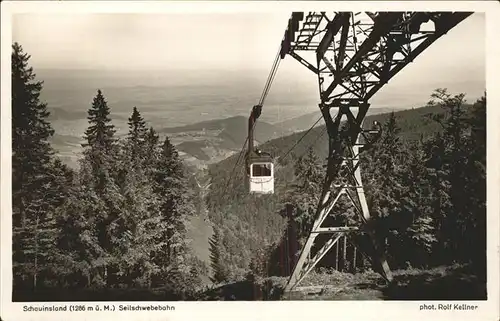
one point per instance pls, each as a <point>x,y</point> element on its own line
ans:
<point>414,123</point>
<point>304,122</point>
<point>233,130</point>
<point>214,140</point>
<point>211,141</point>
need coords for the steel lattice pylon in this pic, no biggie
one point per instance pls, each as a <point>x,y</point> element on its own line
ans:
<point>353,55</point>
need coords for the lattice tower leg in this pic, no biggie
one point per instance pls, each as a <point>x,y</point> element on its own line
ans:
<point>343,159</point>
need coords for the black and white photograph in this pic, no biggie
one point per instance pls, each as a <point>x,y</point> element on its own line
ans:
<point>321,153</point>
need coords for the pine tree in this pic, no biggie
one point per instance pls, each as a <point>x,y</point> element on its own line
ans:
<point>477,122</point>
<point>384,184</point>
<point>455,152</point>
<point>151,142</point>
<point>176,207</point>
<point>152,150</point>
<point>35,178</point>
<point>438,199</point>
<point>417,231</point>
<point>384,161</point>
<point>81,252</point>
<point>219,272</point>
<point>476,172</point>
<point>131,154</point>
<point>136,135</point>
<point>31,151</point>
<point>99,173</point>
<point>142,230</point>
<point>140,236</point>
<point>101,132</point>
<point>171,171</point>
<point>306,191</point>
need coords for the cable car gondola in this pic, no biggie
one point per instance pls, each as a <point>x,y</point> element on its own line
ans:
<point>259,165</point>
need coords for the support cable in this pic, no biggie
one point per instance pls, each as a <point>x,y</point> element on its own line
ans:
<point>299,140</point>
<point>265,92</point>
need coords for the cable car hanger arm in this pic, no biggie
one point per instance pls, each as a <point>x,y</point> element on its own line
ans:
<point>254,115</point>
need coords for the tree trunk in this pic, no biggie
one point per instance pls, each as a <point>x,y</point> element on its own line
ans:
<point>169,245</point>
<point>337,255</point>
<point>354,259</point>
<point>344,255</point>
<point>35,272</point>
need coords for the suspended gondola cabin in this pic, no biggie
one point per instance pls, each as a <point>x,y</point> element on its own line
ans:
<point>259,165</point>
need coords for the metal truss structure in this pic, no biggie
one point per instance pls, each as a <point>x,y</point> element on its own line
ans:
<point>353,55</point>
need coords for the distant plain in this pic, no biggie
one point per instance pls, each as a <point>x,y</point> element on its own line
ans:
<point>219,100</point>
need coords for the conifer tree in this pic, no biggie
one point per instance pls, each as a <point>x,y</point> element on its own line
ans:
<point>100,148</point>
<point>383,183</point>
<point>219,272</point>
<point>476,172</point>
<point>31,151</point>
<point>141,230</point>
<point>131,156</point>
<point>151,139</point>
<point>438,199</point>
<point>98,172</point>
<point>100,133</point>
<point>140,220</point>
<point>36,189</point>
<point>477,122</point>
<point>417,224</point>
<point>175,207</point>
<point>384,163</point>
<point>136,135</point>
<point>81,252</point>
<point>306,191</point>
<point>152,152</point>
<point>455,155</point>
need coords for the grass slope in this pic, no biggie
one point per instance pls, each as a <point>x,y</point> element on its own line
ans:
<point>449,283</point>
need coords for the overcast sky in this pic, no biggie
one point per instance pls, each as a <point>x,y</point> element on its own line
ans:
<point>196,40</point>
<point>140,41</point>
<point>226,41</point>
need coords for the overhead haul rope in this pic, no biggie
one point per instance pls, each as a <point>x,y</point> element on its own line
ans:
<point>318,137</point>
<point>265,92</point>
<point>299,140</point>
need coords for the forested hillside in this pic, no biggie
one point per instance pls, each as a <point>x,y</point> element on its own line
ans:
<point>117,223</point>
<point>304,122</point>
<point>210,141</point>
<point>426,184</point>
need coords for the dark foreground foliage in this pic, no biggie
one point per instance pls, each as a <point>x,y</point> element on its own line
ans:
<point>441,283</point>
